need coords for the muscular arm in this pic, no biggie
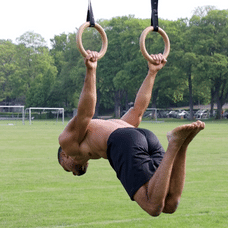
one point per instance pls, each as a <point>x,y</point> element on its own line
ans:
<point>142,100</point>
<point>75,131</point>
<point>88,98</point>
<point>143,97</point>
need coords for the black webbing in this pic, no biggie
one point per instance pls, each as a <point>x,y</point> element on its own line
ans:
<point>90,17</point>
<point>154,14</point>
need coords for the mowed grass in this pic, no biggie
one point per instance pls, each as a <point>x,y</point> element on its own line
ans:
<point>36,192</point>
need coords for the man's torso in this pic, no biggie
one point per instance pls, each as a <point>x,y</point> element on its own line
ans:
<point>94,145</point>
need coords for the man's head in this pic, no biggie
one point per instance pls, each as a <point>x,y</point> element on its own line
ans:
<point>70,165</point>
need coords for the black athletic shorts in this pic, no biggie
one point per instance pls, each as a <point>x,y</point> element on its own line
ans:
<point>135,155</point>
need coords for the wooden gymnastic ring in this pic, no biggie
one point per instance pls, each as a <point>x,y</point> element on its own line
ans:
<point>143,46</point>
<point>103,36</point>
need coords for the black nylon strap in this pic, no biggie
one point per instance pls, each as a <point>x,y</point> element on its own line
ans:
<point>90,17</point>
<point>154,14</point>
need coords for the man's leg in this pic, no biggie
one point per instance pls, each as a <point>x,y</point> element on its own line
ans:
<point>152,196</point>
<point>177,179</point>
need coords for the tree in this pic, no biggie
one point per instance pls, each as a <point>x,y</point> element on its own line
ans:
<point>59,46</point>
<point>58,52</point>
<point>39,93</point>
<point>32,40</point>
<point>10,84</point>
<point>70,78</point>
<point>188,63</point>
<point>113,63</point>
<point>218,75</point>
<point>202,11</point>
<point>211,32</point>
<point>196,69</point>
<point>171,83</point>
<point>37,69</point>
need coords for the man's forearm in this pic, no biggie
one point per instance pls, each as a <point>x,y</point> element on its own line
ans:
<point>88,97</point>
<point>143,96</point>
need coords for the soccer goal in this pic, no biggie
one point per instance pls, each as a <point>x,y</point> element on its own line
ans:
<point>151,113</point>
<point>48,114</point>
<point>12,114</point>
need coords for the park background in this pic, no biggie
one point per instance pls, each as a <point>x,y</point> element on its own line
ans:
<point>196,73</point>
<point>34,189</point>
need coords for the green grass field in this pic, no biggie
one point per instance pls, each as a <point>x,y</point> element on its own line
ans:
<point>36,192</point>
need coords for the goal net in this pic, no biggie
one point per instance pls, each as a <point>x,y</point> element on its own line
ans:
<point>49,115</point>
<point>12,115</point>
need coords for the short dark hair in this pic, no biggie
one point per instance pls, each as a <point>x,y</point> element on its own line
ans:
<point>59,157</point>
<point>80,170</point>
<point>59,154</point>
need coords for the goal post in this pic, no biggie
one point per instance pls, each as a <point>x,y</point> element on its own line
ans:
<point>43,109</point>
<point>153,113</point>
<point>12,112</point>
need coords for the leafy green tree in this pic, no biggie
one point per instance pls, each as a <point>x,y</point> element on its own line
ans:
<point>113,62</point>
<point>211,34</point>
<point>10,83</point>
<point>32,40</point>
<point>58,52</point>
<point>37,69</point>
<point>170,85</point>
<point>188,63</point>
<point>72,73</point>
<point>59,46</point>
<point>39,93</point>
<point>196,69</point>
<point>218,75</point>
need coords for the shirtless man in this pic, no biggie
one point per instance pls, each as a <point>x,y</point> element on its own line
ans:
<point>152,177</point>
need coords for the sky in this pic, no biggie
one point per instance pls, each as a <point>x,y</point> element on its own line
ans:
<point>54,17</point>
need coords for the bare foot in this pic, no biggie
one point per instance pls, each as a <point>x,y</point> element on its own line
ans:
<point>200,126</point>
<point>181,133</point>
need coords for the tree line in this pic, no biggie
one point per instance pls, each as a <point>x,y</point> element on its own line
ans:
<point>196,71</point>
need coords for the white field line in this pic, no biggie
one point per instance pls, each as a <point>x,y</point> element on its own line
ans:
<point>128,220</point>
<point>94,223</point>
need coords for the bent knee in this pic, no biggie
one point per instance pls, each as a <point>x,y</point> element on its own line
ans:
<point>171,206</point>
<point>155,211</point>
